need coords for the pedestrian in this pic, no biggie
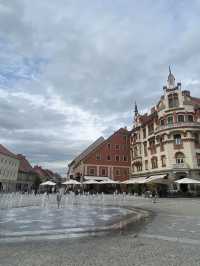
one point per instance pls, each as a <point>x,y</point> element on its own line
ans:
<point>58,198</point>
<point>153,196</point>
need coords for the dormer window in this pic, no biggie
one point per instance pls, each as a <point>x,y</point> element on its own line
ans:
<point>173,100</point>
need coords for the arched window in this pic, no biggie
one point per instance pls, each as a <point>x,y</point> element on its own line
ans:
<point>180,157</point>
<point>173,100</point>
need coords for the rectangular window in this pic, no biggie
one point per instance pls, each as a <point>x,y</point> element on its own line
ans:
<point>117,172</point>
<point>117,146</point>
<point>163,160</point>
<point>177,139</point>
<point>103,171</point>
<point>125,158</point>
<point>145,148</point>
<point>109,146</point>
<point>162,147</point>
<point>98,157</point>
<point>190,118</point>
<point>180,118</point>
<point>117,158</point>
<point>154,163</point>
<point>108,157</point>
<point>173,100</point>
<point>144,133</point>
<point>146,164</point>
<point>92,171</point>
<point>162,122</point>
<point>152,146</point>
<point>170,120</point>
<point>198,159</point>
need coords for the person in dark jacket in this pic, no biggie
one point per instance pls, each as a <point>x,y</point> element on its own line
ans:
<point>58,198</point>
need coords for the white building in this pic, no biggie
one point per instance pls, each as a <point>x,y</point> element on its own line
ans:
<point>167,141</point>
<point>9,165</point>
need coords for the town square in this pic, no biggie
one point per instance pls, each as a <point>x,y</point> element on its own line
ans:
<point>99,133</point>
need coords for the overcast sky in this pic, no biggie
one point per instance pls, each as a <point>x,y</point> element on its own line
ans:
<point>70,70</point>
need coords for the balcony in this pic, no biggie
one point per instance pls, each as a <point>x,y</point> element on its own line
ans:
<point>177,125</point>
<point>180,166</point>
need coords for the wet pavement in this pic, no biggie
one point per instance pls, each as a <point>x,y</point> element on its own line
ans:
<point>51,221</point>
<point>171,237</point>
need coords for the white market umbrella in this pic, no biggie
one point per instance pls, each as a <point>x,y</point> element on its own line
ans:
<point>138,180</point>
<point>109,182</point>
<point>71,182</point>
<point>48,183</point>
<point>187,181</point>
<point>91,182</point>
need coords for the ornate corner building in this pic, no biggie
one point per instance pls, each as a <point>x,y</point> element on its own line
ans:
<point>167,141</point>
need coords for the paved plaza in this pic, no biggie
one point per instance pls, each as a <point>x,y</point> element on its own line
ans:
<point>170,236</point>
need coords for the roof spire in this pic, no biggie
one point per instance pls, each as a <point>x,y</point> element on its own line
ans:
<point>136,109</point>
<point>171,79</point>
<point>170,70</point>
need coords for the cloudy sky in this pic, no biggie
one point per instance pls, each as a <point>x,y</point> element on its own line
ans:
<point>71,70</point>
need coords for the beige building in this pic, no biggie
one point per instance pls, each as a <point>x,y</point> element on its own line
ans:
<point>9,165</point>
<point>167,141</point>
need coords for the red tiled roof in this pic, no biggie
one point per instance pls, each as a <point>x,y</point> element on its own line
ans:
<point>38,170</point>
<point>195,100</point>
<point>6,152</point>
<point>44,172</point>
<point>49,173</point>
<point>24,165</point>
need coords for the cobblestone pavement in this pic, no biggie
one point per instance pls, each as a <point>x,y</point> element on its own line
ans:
<point>171,237</point>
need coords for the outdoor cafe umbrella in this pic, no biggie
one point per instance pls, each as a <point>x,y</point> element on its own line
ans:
<point>109,182</point>
<point>91,182</point>
<point>139,180</point>
<point>71,182</point>
<point>187,181</point>
<point>48,183</point>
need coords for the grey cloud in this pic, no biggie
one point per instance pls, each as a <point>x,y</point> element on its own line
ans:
<point>99,56</point>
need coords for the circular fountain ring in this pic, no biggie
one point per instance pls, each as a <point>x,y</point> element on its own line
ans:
<point>29,223</point>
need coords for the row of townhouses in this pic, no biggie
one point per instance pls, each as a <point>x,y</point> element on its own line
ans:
<point>17,174</point>
<point>163,142</point>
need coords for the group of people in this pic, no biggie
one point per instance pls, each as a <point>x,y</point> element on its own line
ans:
<point>151,194</point>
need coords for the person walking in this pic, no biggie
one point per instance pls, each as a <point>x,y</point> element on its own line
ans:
<point>58,198</point>
<point>154,196</point>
